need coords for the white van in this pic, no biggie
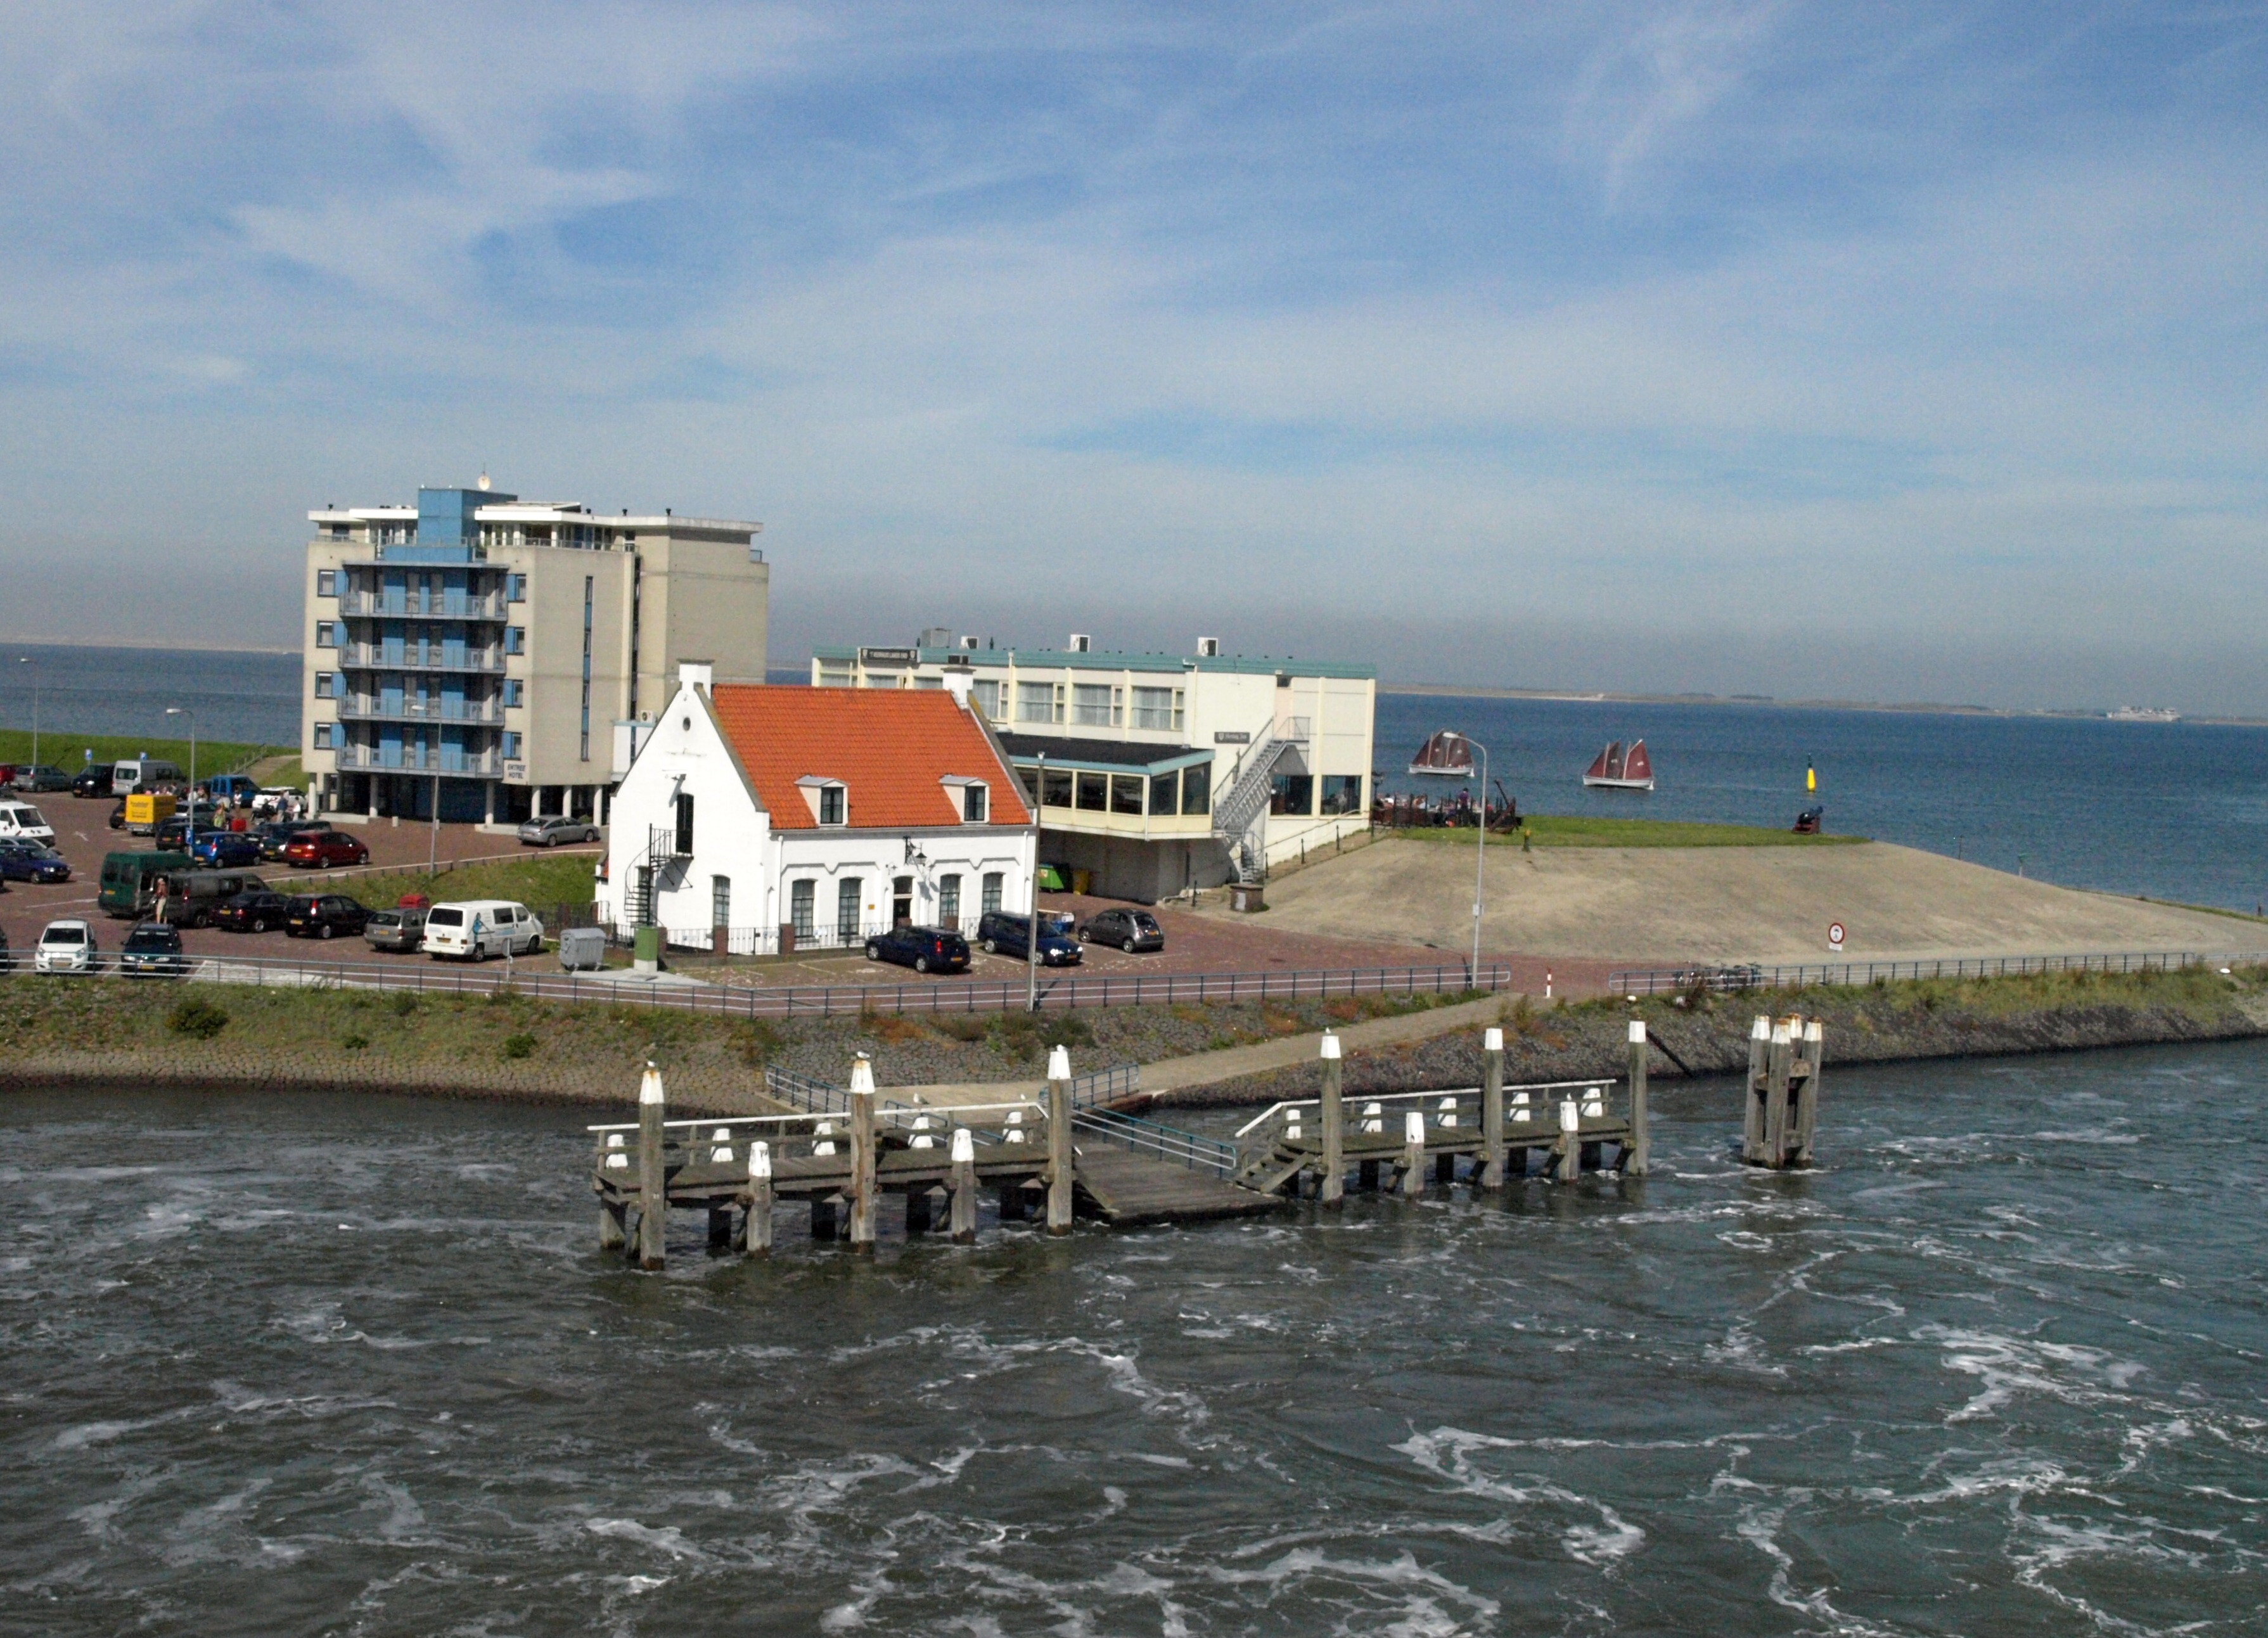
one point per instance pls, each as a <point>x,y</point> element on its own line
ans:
<point>474,929</point>
<point>21,818</point>
<point>142,773</point>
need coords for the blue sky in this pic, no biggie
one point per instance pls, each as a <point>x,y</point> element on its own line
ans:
<point>1888,352</point>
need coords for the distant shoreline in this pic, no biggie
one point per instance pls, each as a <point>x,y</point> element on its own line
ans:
<point>1465,691</point>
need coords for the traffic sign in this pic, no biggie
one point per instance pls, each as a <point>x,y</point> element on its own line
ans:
<point>1834,936</point>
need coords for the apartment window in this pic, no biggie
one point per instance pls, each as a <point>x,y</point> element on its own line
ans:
<point>833,679</point>
<point>511,745</point>
<point>1058,789</point>
<point>587,672</point>
<point>1027,775</point>
<point>515,639</point>
<point>1292,793</point>
<point>986,696</point>
<point>720,901</point>
<point>513,695</point>
<point>991,892</point>
<point>846,907</point>
<point>1165,793</point>
<point>799,896</point>
<point>1090,705</point>
<point>326,583</point>
<point>1343,793</point>
<point>948,900</point>
<point>1094,791</point>
<point>1039,701</point>
<point>685,823</point>
<point>973,804</point>
<point>834,805</point>
<point>325,685</point>
<point>326,635</point>
<point>1157,708</point>
<point>515,588</point>
<point>1197,790</point>
<point>1126,793</point>
<point>323,741</point>
<point>929,682</point>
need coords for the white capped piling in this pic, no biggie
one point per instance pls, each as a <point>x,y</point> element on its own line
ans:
<point>1752,1111</point>
<point>1492,1109</point>
<point>1333,1191</point>
<point>614,1228</point>
<point>964,1186</point>
<point>1059,1159</point>
<point>756,1234</point>
<point>1779,1061</point>
<point>861,1192</point>
<point>653,1199</point>
<point>917,1210</point>
<point>1445,1163</point>
<point>1567,1154</point>
<point>1635,1162</point>
<point>1806,1109</point>
<point>1413,1153</point>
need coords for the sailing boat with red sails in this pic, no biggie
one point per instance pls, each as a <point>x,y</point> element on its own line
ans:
<point>1616,769</point>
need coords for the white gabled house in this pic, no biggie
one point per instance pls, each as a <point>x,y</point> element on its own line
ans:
<point>797,817</point>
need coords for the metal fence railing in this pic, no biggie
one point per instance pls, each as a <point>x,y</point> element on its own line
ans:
<point>1657,980</point>
<point>615,987</point>
<point>1150,1137</point>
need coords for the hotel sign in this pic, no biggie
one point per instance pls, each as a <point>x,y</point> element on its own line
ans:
<point>1229,736</point>
<point>887,656</point>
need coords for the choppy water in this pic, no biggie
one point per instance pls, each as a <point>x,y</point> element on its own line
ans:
<point>283,1363</point>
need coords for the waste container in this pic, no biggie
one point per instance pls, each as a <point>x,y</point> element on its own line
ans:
<point>583,948</point>
<point>645,948</point>
<point>1082,881</point>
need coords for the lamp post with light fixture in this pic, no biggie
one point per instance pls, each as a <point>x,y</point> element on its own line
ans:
<point>189,831</point>
<point>1480,814</point>
<point>25,659</point>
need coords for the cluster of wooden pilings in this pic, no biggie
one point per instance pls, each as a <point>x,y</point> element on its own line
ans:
<point>739,1169</point>
<point>1781,1112</point>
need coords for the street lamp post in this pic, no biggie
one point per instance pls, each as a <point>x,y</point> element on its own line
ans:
<point>1480,814</point>
<point>1031,930</point>
<point>189,831</point>
<point>25,659</point>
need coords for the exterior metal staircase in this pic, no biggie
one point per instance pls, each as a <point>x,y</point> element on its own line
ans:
<point>1237,813</point>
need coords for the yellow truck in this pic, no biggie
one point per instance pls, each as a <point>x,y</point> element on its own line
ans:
<point>146,810</point>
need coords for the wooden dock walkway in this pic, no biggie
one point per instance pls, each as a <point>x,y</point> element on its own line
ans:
<point>1125,1188</point>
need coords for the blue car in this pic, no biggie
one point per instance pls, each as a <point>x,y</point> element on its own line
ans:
<point>1006,933</point>
<point>30,862</point>
<point>224,849</point>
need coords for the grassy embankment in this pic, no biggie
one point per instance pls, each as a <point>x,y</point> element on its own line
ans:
<point>512,1046</point>
<point>63,749</point>
<point>539,881</point>
<point>1583,830</point>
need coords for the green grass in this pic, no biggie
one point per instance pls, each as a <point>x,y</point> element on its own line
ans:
<point>1573,830</point>
<point>62,749</point>
<point>539,882</point>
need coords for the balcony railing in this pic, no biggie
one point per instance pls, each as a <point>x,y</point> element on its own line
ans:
<point>419,656</point>
<point>472,713</point>
<point>411,760</point>
<point>377,605</point>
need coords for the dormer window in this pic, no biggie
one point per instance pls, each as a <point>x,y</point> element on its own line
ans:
<point>972,796</point>
<point>972,803</point>
<point>829,799</point>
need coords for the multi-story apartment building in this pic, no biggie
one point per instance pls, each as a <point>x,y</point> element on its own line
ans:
<point>1155,772</point>
<point>476,649</point>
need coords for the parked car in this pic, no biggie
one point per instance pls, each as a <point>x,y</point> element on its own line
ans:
<point>193,898</point>
<point>153,950</point>
<point>22,861</point>
<point>129,881</point>
<point>924,949</point>
<point>476,928</point>
<point>401,930</point>
<point>254,910</point>
<point>118,814</point>
<point>277,834</point>
<point>92,781</point>
<point>549,833</point>
<point>233,790</point>
<point>1130,930</point>
<point>146,774</point>
<point>41,780</point>
<point>21,818</point>
<point>1007,933</point>
<point>67,947</point>
<point>175,828</point>
<point>223,849</point>
<point>325,915</point>
<point>270,799</point>
<point>323,849</point>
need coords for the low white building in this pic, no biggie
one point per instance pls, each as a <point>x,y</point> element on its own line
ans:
<point>795,818</point>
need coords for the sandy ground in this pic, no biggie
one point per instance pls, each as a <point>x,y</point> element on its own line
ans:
<point>1669,905</point>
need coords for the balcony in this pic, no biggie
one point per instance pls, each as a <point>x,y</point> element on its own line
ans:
<point>419,656</point>
<point>419,605</point>
<point>360,759</point>
<point>471,713</point>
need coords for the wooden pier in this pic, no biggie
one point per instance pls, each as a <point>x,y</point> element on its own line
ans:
<point>1044,1160</point>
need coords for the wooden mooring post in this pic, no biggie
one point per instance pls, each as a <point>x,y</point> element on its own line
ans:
<point>1060,1177</point>
<point>1567,1153</point>
<point>1492,1110</point>
<point>1806,1116</point>
<point>864,1214</point>
<point>1333,1191</point>
<point>756,1229</point>
<point>1634,1164</point>
<point>1782,1113</point>
<point>1752,1112</point>
<point>964,1186</point>
<point>653,1191</point>
<point>1413,1155</point>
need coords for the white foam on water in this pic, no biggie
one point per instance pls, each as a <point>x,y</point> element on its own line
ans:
<point>1759,1526</point>
<point>2010,1366</point>
<point>1422,1594</point>
<point>1448,1453</point>
<point>667,1539</point>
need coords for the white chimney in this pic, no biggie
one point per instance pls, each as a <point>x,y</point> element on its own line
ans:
<point>1208,648</point>
<point>696,674</point>
<point>1080,643</point>
<point>956,684</point>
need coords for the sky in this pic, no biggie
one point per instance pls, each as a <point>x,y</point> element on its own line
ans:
<point>1906,352</point>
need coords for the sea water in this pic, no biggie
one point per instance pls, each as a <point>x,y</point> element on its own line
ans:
<point>327,1364</point>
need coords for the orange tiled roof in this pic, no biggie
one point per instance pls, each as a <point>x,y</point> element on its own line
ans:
<point>889,747</point>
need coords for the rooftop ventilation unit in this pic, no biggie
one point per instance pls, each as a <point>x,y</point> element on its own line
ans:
<point>1080,643</point>
<point>1208,648</point>
<point>968,642</point>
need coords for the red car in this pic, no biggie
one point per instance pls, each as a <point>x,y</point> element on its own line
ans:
<point>323,849</point>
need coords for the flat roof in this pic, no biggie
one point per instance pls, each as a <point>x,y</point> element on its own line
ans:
<point>1111,660</point>
<point>1119,755</point>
